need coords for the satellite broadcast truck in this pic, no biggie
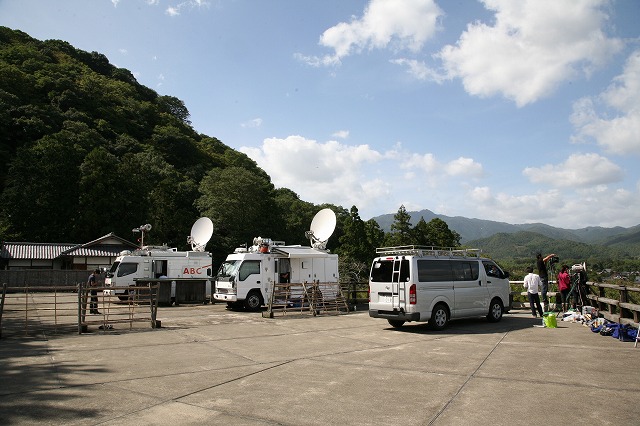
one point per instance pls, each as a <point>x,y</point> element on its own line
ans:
<point>163,262</point>
<point>246,277</point>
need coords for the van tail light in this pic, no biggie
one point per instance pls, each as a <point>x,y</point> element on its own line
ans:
<point>369,294</point>
<point>412,295</point>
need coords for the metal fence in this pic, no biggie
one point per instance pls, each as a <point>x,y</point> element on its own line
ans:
<point>51,310</point>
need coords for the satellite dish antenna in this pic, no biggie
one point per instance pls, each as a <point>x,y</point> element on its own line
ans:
<point>201,233</point>
<point>322,227</point>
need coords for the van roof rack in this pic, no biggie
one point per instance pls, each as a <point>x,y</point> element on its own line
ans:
<point>417,250</point>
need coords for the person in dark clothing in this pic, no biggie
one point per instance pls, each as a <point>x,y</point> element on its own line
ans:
<point>92,284</point>
<point>541,262</point>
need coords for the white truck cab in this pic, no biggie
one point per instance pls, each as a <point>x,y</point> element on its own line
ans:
<point>417,283</point>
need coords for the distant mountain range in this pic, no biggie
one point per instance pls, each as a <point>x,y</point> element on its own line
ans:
<point>525,238</point>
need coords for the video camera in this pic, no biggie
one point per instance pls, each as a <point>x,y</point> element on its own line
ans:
<point>553,260</point>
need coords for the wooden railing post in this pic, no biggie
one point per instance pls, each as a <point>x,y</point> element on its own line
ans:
<point>4,294</point>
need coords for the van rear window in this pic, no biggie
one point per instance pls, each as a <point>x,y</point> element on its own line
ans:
<point>382,271</point>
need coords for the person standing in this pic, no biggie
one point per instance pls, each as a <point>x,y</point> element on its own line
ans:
<point>532,284</point>
<point>92,284</point>
<point>564,286</point>
<point>541,263</point>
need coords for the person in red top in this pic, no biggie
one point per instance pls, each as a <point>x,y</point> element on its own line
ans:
<point>564,285</point>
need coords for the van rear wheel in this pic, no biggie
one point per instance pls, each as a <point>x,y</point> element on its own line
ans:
<point>495,310</point>
<point>439,317</point>
<point>395,323</point>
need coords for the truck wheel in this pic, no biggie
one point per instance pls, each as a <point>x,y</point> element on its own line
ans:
<point>125,296</point>
<point>253,302</point>
<point>395,323</point>
<point>495,310</point>
<point>439,317</point>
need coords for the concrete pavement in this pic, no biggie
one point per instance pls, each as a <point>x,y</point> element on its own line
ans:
<point>207,365</point>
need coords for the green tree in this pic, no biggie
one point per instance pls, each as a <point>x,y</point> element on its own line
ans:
<point>421,233</point>
<point>440,235</point>
<point>239,204</point>
<point>354,243</point>
<point>98,187</point>
<point>175,107</point>
<point>401,231</point>
<point>375,235</point>
<point>41,195</point>
<point>293,216</point>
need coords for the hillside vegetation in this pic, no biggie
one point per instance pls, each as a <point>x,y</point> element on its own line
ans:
<point>87,150</point>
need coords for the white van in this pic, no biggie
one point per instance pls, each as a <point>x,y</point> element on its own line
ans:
<point>416,283</point>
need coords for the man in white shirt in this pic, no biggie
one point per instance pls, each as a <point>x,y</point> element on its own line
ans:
<point>533,283</point>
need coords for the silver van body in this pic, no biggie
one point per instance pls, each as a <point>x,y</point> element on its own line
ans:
<point>417,283</point>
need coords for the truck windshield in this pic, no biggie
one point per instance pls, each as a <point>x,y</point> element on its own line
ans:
<point>228,268</point>
<point>111,272</point>
<point>127,269</point>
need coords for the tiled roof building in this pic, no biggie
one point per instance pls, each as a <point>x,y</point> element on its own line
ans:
<point>97,253</point>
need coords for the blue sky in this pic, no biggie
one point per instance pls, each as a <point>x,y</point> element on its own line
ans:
<point>515,111</point>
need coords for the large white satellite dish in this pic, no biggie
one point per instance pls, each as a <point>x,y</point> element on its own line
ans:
<point>201,233</point>
<point>322,227</point>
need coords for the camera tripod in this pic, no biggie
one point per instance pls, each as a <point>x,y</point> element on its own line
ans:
<point>578,292</point>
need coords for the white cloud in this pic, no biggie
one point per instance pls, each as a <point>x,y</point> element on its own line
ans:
<point>396,24</point>
<point>177,9</point>
<point>342,134</point>
<point>254,123</point>
<point>420,70</point>
<point>579,170</point>
<point>618,134</point>
<point>464,167</point>
<point>428,164</point>
<point>569,209</point>
<point>533,46</point>
<point>320,172</point>
<point>375,181</point>
<point>346,175</point>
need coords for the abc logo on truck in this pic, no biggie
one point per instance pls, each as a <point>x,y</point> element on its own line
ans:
<point>194,271</point>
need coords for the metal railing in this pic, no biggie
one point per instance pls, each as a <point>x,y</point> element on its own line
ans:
<point>63,309</point>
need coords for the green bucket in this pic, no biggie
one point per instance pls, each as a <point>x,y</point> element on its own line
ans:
<point>549,319</point>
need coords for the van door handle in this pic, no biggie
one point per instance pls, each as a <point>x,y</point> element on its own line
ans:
<point>480,282</point>
<point>258,282</point>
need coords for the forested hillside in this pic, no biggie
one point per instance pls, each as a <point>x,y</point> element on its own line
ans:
<point>86,150</point>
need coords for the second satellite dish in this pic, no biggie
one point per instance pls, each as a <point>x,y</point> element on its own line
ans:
<point>201,233</point>
<point>322,227</point>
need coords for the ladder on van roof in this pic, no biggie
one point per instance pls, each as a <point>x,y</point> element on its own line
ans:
<point>417,250</point>
<point>398,287</point>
